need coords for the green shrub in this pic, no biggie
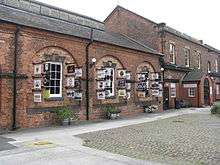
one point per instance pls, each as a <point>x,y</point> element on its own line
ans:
<point>216,108</point>
<point>64,113</point>
<point>110,109</point>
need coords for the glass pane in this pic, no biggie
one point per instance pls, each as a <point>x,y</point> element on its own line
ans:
<point>53,67</point>
<point>58,67</point>
<point>58,75</point>
<point>52,90</point>
<point>58,83</point>
<point>57,90</point>
<point>52,83</point>
<point>52,75</point>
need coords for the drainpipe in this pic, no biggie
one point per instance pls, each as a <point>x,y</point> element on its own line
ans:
<point>87,74</point>
<point>16,49</point>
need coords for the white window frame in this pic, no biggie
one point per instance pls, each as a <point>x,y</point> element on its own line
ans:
<point>187,57</point>
<point>217,89</point>
<point>172,50</point>
<point>61,74</point>
<point>216,65</point>
<point>199,56</point>
<point>189,92</point>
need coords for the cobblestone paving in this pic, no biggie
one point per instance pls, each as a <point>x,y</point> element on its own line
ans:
<point>186,139</point>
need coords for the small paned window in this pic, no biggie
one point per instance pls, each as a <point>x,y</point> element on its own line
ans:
<point>187,57</point>
<point>191,92</point>
<point>198,59</point>
<point>53,72</point>
<point>172,53</point>
<point>216,65</point>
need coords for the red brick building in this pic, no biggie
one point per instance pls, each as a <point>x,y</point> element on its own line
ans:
<point>191,68</point>
<point>51,58</point>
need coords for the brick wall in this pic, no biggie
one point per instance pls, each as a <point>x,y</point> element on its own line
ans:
<point>33,46</point>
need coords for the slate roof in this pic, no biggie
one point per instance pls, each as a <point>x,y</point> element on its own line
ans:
<point>194,75</point>
<point>21,17</point>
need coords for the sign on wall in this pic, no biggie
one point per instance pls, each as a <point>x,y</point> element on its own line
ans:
<point>37,97</point>
<point>190,85</point>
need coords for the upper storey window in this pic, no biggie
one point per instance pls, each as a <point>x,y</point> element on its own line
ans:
<point>198,58</point>
<point>172,53</point>
<point>216,65</point>
<point>187,57</point>
<point>209,66</point>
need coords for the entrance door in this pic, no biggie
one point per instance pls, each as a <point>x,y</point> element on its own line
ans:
<point>166,98</point>
<point>206,92</point>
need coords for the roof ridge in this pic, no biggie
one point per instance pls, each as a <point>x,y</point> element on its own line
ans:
<point>39,8</point>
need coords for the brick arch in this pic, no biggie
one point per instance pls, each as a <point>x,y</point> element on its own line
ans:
<point>55,50</point>
<point>110,58</point>
<point>206,77</point>
<point>145,64</point>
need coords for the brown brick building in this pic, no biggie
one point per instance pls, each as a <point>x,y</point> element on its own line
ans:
<point>50,58</point>
<point>46,54</point>
<point>191,68</point>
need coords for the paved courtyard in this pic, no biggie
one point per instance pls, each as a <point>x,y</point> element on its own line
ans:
<point>187,136</point>
<point>186,139</point>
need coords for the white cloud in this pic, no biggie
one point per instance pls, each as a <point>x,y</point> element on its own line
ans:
<point>198,18</point>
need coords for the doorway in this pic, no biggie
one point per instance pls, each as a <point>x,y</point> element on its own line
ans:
<point>206,92</point>
<point>166,98</point>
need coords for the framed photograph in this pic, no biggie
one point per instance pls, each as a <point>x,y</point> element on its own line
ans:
<point>128,95</point>
<point>101,85</point>
<point>78,96</point>
<point>70,93</point>
<point>128,76</point>
<point>142,86</point>
<point>71,69</point>
<point>100,74</point>
<point>154,76</point>
<point>155,85</point>
<point>37,69</point>
<point>155,92</point>
<point>70,81</point>
<point>141,77</point>
<point>101,95</point>
<point>122,83</point>
<point>77,84</point>
<point>78,72</point>
<point>121,73</point>
<point>122,93</point>
<point>37,97</point>
<point>108,83</point>
<point>141,94</point>
<point>128,86</point>
<point>46,67</point>
<point>37,84</point>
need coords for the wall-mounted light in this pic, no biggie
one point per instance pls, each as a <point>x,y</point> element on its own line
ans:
<point>162,69</point>
<point>93,61</point>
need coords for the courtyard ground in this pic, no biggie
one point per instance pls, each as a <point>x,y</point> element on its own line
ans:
<point>188,136</point>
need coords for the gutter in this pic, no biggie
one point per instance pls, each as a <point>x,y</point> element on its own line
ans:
<point>16,49</point>
<point>87,74</point>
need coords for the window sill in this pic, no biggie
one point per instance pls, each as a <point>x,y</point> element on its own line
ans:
<point>55,99</point>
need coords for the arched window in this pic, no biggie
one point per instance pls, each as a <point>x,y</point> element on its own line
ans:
<point>209,66</point>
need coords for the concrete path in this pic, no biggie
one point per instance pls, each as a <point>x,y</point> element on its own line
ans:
<point>59,146</point>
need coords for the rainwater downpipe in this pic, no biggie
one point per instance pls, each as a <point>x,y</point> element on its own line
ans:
<point>87,74</point>
<point>16,49</point>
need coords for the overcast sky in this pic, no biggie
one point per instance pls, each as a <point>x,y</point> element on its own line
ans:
<point>198,18</point>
